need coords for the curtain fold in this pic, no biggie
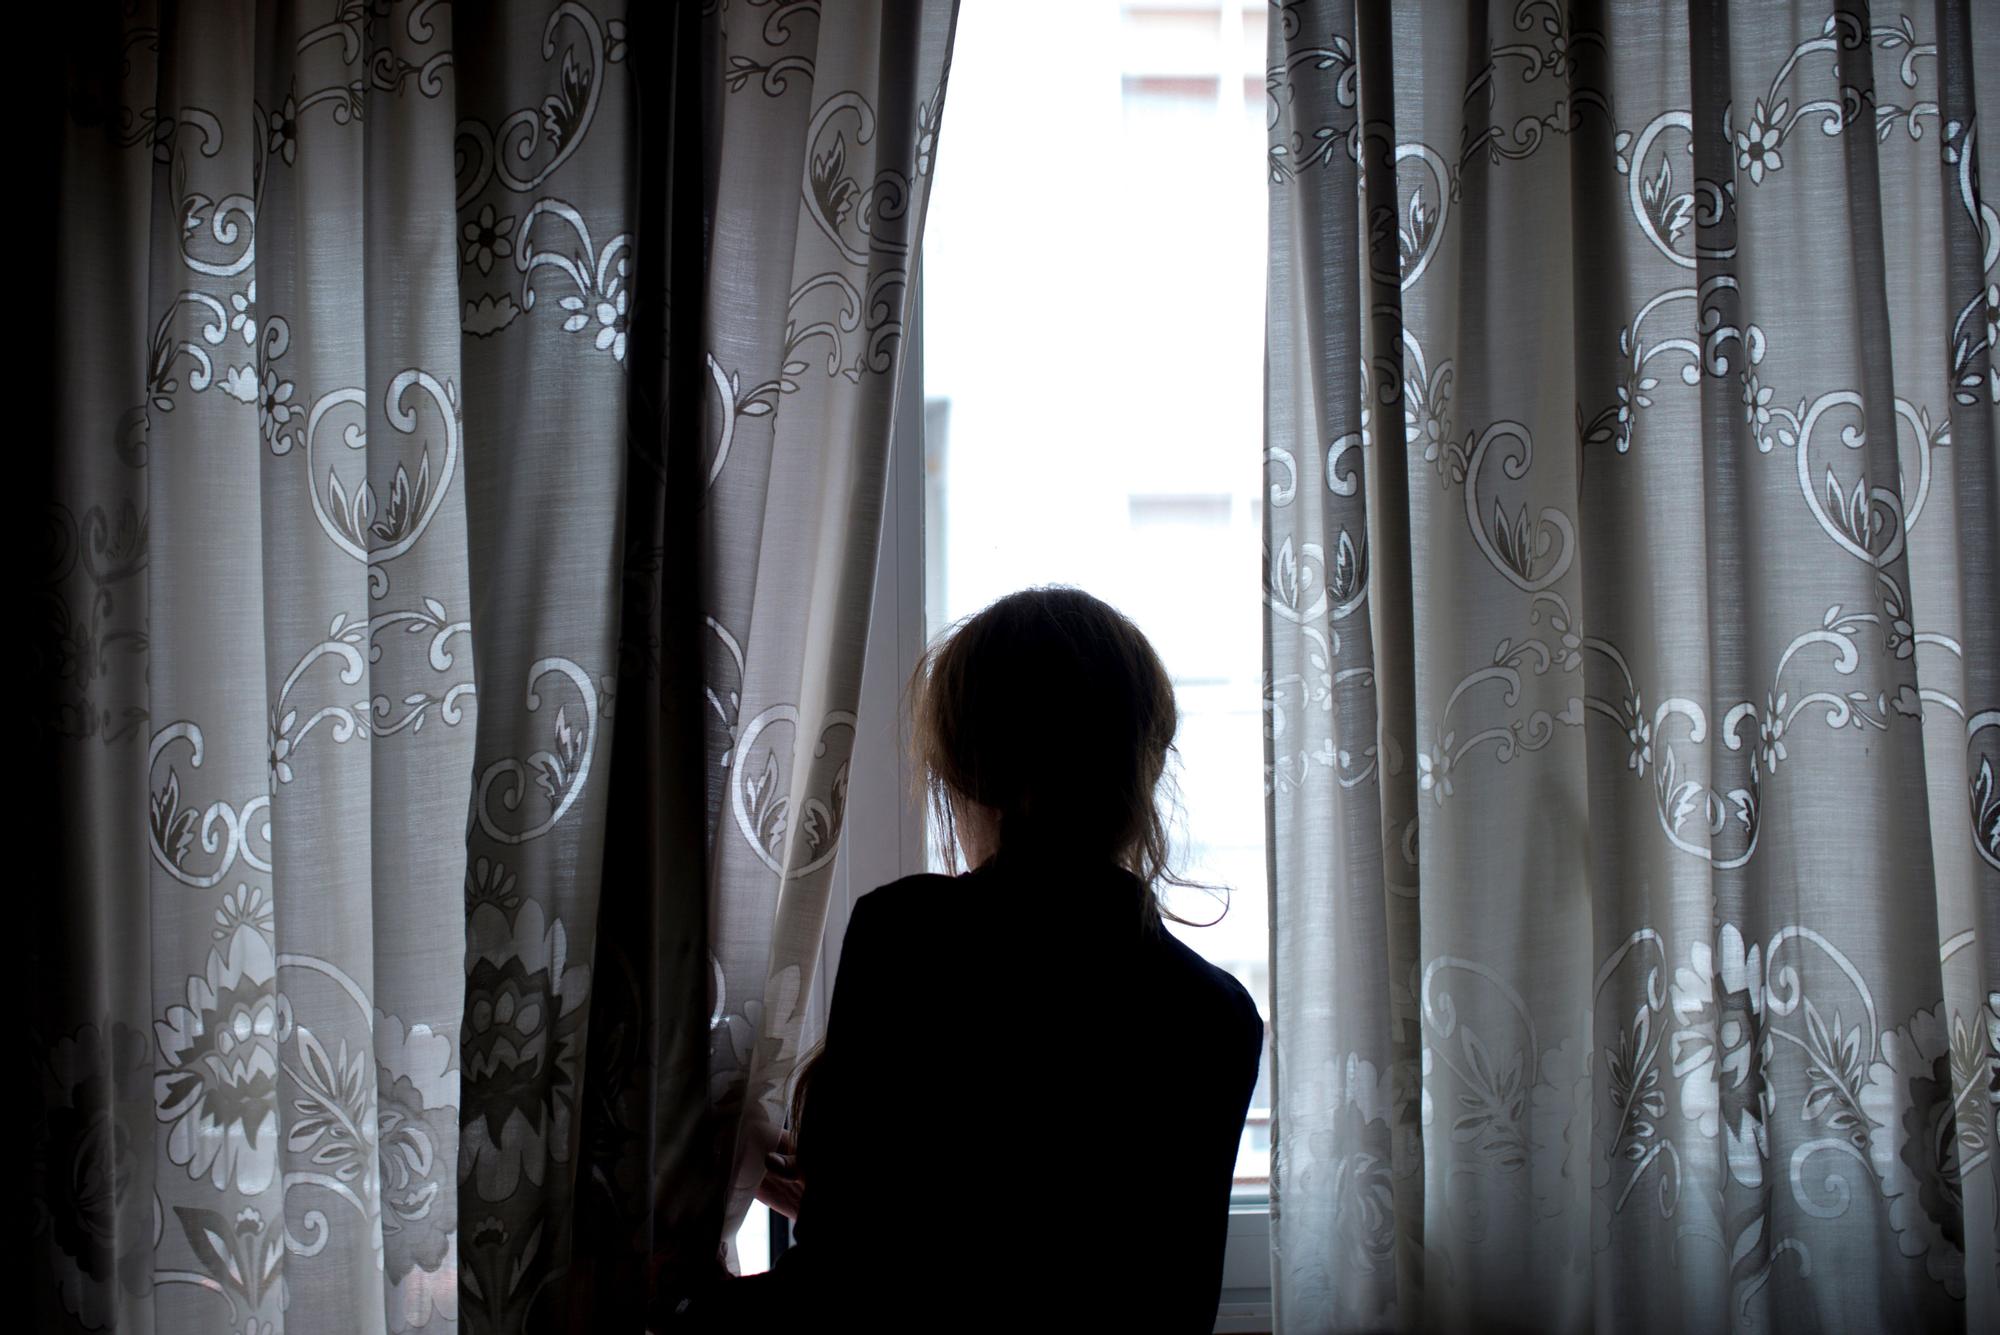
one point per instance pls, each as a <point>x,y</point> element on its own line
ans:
<point>467,453</point>
<point>1633,709</point>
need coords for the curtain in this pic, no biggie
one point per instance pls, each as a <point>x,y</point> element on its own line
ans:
<point>1633,706</point>
<point>467,437</point>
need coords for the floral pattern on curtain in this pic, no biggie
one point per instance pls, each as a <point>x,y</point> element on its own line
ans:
<point>452,640</point>
<point>1633,637</point>
<point>805,142</point>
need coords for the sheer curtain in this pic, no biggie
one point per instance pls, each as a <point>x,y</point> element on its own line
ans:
<point>1634,654</point>
<point>467,441</point>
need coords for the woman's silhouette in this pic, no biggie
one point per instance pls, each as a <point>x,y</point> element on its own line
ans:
<point>1026,1109</point>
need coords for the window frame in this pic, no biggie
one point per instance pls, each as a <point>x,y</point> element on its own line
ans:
<point>883,835</point>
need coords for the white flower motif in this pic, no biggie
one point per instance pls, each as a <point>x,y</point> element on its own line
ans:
<point>523,1042</point>
<point>1634,394</point>
<point>1434,769</point>
<point>487,238</point>
<point>1638,731</point>
<point>1721,1049</point>
<point>490,882</point>
<point>416,1121</point>
<point>1432,434</point>
<point>285,132</point>
<point>281,746</point>
<point>218,1076</point>
<point>275,406</point>
<point>244,321</point>
<point>1756,400</point>
<point>1913,1143</point>
<point>1757,145</point>
<point>1771,731</point>
<point>1902,639</point>
<point>245,906</point>
<point>611,323</point>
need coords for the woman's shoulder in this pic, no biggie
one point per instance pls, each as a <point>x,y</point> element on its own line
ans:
<point>1221,993</point>
<point>906,903</point>
<point>908,892</point>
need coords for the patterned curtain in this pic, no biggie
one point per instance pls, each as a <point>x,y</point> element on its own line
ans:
<point>467,428</point>
<point>1633,634</point>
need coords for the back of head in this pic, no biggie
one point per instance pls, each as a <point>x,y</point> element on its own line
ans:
<point>1050,708</point>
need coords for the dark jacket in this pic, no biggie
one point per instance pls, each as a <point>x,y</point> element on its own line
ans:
<point>1026,1117</point>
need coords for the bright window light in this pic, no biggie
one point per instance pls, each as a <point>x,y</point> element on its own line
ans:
<point>1093,342</point>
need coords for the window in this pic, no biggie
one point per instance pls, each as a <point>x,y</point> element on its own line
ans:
<point>1093,352</point>
<point>1092,372</point>
<point>1083,403</point>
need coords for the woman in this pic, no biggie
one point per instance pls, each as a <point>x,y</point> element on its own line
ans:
<point>1026,1109</point>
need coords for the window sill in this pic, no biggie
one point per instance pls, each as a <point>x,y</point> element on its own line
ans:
<point>1245,1308</point>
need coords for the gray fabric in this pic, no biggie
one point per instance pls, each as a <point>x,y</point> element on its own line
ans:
<point>361,362</point>
<point>1634,666</point>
